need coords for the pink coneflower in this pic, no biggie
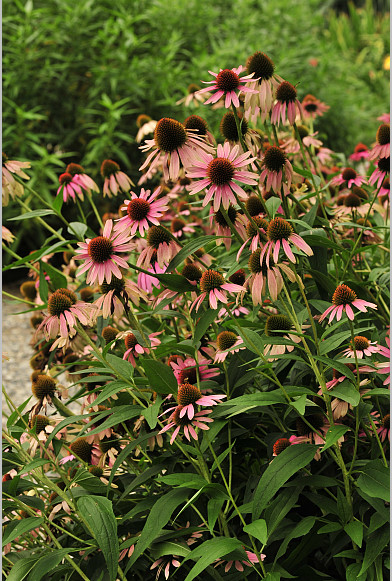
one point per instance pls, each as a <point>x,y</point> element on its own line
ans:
<point>198,421</point>
<point>218,174</point>
<point>308,139</point>
<point>380,172</point>
<point>142,211</point>
<point>362,347</point>
<point>179,227</point>
<point>275,166</point>
<point>115,294</point>
<point>71,187</point>
<point>283,443</point>
<point>11,187</point>
<point>348,178</point>
<point>172,144</point>
<point>133,347</point>
<point>384,431</point>
<point>222,228</point>
<point>165,562</point>
<point>7,235</point>
<point>115,180</point>
<point>189,395</point>
<point>83,179</point>
<point>161,245</point>
<point>193,96</point>
<point>185,370</point>
<point>226,83</point>
<point>213,285</point>
<point>197,123</point>
<point>260,103</point>
<point>382,147</point>
<point>361,151</point>
<point>146,126</point>
<point>100,255</point>
<point>263,277</point>
<point>227,342</point>
<point>279,326</point>
<point>64,312</point>
<point>320,425</point>
<point>256,236</point>
<point>280,233</point>
<point>312,107</point>
<point>287,103</point>
<point>147,282</point>
<point>239,565</point>
<point>343,300</point>
<point>385,118</point>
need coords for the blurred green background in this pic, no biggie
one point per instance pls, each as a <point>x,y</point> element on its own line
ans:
<point>76,74</point>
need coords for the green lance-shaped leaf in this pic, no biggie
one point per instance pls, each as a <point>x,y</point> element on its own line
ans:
<point>208,552</point>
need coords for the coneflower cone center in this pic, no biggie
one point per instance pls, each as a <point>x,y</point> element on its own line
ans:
<point>169,134</point>
<point>130,341</point>
<point>228,126</point>
<point>349,174</point>
<point>74,168</point>
<point>177,224</point>
<point>43,385</point>
<point>254,261</point>
<point>192,272</point>
<point>238,277</point>
<point>178,421</point>
<point>188,394</point>
<point>138,209</point>
<point>116,284</point>
<point>278,229</point>
<point>386,421</point>
<point>225,340</point>
<point>220,171</point>
<point>274,159</point>
<point>384,164</point>
<point>277,323</point>
<point>383,134</point>
<point>187,375</point>
<point>82,449</point>
<point>261,224</point>
<point>196,122</point>
<point>261,65</point>
<point>65,178</point>
<point>316,421</point>
<point>100,249</point>
<point>156,236</point>
<point>39,423</point>
<point>109,333</point>
<point>227,80</point>
<point>352,201</point>
<point>254,205</point>
<point>221,220</point>
<point>58,303</point>
<point>360,343</point>
<point>210,280</point>
<point>310,107</point>
<point>343,295</point>
<point>286,92</point>
<point>281,445</point>
<point>108,168</point>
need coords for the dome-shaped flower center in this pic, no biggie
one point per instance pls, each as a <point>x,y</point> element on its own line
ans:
<point>178,421</point>
<point>384,164</point>
<point>130,341</point>
<point>109,333</point>
<point>156,236</point>
<point>254,261</point>
<point>386,184</point>
<point>58,303</point>
<point>74,168</point>
<point>227,80</point>
<point>302,130</point>
<point>225,340</point>
<point>352,201</point>
<point>274,159</point>
<point>142,119</point>
<point>100,249</point>
<point>116,284</point>
<point>138,209</point>
<point>238,277</point>
<point>196,122</point>
<point>286,92</point>
<point>184,182</point>
<point>43,385</point>
<point>192,272</point>
<point>383,134</point>
<point>68,293</point>
<point>4,157</point>
<point>360,147</point>
<point>261,65</point>
<point>254,205</point>
<point>65,178</point>
<point>220,171</point>
<point>192,88</point>
<point>349,174</point>
<point>39,423</point>
<point>260,222</point>
<point>360,343</point>
<point>28,290</point>
<point>108,168</point>
<point>279,228</point>
<point>386,421</point>
<point>107,444</point>
<point>316,421</point>
<point>343,295</point>
<point>81,448</point>
<point>211,279</point>
<point>281,445</point>
<point>176,225</point>
<point>277,323</point>
<point>360,192</point>
<point>221,220</point>
<point>187,375</point>
<point>188,394</point>
<point>228,126</point>
<point>310,107</point>
<point>169,135</point>
<point>95,471</point>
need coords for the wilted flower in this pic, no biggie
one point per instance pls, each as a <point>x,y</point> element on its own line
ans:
<point>115,180</point>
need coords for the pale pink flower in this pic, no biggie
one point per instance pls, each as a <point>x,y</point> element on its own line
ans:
<point>279,326</point>
<point>213,285</point>
<point>221,174</point>
<point>83,179</point>
<point>361,151</point>
<point>142,211</point>
<point>385,118</point>
<point>239,565</point>
<point>147,282</point>
<point>193,96</point>
<point>222,228</point>
<point>227,342</point>
<point>362,347</point>
<point>265,277</point>
<point>185,370</point>
<point>100,255</point>
<point>312,107</point>
<point>382,147</point>
<point>343,300</point>
<point>379,174</point>
<point>146,126</point>
<point>70,186</point>
<point>276,170</point>
<point>225,84</point>
<point>11,187</point>
<point>127,552</point>
<point>115,294</point>
<point>198,421</point>
<point>259,103</point>
<point>189,396</point>
<point>286,104</point>
<point>348,178</point>
<point>280,233</point>
<point>115,180</point>
<point>160,247</point>
<point>7,235</point>
<point>133,347</point>
<point>165,562</point>
<point>283,443</point>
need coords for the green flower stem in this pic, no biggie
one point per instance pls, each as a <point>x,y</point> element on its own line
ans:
<point>42,200</point>
<point>92,204</point>
<point>14,255</point>
<point>374,430</point>
<point>134,322</point>
<point>301,288</point>
<point>355,351</point>
<point>44,224</point>
<point>230,224</point>
<point>15,298</point>
<point>276,138</point>
<point>61,407</point>
<point>81,210</point>
<point>355,441</point>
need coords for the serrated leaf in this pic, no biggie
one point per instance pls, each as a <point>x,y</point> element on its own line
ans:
<point>150,414</point>
<point>374,480</point>
<point>208,552</point>
<point>354,529</point>
<point>333,435</point>
<point>187,250</point>
<point>278,472</point>
<point>97,513</point>
<point>258,529</point>
<point>299,404</point>
<point>160,376</point>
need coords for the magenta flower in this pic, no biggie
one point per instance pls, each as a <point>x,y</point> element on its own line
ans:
<point>362,347</point>
<point>343,300</point>
<point>147,282</point>
<point>213,284</point>
<point>115,180</point>
<point>218,174</point>
<point>286,103</point>
<point>382,147</point>
<point>71,187</point>
<point>185,370</point>
<point>283,443</point>
<point>348,178</point>
<point>100,255</point>
<point>83,179</point>
<point>275,166</point>
<point>189,395</point>
<point>198,421</point>
<point>133,347</point>
<point>142,211</point>
<point>280,233</point>
<point>361,151</point>
<point>226,83</point>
